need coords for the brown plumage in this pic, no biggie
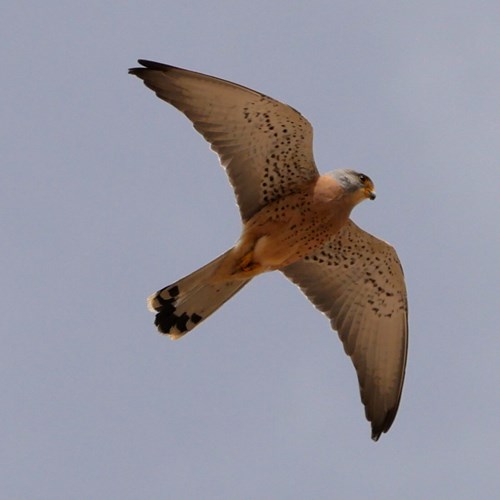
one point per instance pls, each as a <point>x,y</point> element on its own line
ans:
<point>295,221</point>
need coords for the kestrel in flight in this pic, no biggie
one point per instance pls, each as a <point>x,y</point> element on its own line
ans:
<point>295,221</point>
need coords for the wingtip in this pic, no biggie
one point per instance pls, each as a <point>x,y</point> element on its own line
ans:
<point>385,425</point>
<point>147,64</point>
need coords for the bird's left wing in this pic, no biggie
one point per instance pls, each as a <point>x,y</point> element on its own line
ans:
<point>264,145</point>
<point>357,281</point>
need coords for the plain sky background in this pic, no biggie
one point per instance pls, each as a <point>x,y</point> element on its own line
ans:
<point>107,194</point>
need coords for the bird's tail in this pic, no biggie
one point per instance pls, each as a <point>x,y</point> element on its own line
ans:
<point>183,305</point>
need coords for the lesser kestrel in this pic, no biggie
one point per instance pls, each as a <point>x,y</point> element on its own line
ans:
<point>295,221</point>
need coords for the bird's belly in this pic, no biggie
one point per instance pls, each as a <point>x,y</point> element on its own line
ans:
<point>284,232</point>
<point>274,251</point>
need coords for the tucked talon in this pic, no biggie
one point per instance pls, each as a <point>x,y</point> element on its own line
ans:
<point>247,264</point>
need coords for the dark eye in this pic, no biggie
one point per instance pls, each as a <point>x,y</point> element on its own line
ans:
<point>362,178</point>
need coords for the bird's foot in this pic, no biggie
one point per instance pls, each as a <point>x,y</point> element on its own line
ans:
<point>247,263</point>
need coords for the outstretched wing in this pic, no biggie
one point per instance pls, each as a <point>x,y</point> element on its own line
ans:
<point>264,145</point>
<point>357,281</point>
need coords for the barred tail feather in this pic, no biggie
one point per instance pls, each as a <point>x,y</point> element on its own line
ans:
<point>184,304</point>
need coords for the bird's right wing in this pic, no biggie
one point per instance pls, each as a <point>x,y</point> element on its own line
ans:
<point>357,281</point>
<point>264,145</point>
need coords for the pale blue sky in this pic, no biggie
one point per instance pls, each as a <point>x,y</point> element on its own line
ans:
<point>107,194</point>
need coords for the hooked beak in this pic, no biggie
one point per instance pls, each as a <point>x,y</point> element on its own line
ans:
<point>370,193</point>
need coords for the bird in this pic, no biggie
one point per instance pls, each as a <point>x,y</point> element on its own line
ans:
<point>295,221</point>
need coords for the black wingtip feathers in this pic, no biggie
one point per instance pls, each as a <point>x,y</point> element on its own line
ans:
<point>149,65</point>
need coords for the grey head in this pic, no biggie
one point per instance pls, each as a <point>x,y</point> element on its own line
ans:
<point>353,181</point>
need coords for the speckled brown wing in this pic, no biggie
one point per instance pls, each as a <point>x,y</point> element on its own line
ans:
<point>357,281</point>
<point>264,145</point>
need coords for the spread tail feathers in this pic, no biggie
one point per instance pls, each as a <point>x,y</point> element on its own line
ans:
<point>186,303</point>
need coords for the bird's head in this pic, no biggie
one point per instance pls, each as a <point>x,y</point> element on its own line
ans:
<point>359,186</point>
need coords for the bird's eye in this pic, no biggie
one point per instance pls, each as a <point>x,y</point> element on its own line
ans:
<point>362,178</point>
